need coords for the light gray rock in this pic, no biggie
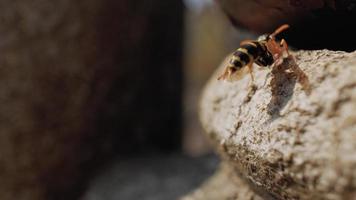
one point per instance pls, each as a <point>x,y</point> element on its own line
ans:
<point>289,136</point>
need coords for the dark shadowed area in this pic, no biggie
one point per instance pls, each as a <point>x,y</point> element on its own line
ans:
<point>315,24</point>
<point>152,177</point>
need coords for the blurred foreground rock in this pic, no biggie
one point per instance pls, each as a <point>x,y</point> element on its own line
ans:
<point>163,177</point>
<point>73,76</point>
<point>224,184</point>
<point>283,141</point>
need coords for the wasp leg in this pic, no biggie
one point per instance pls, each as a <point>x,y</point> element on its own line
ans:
<point>274,48</point>
<point>284,46</point>
<point>278,50</point>
<point>224,75</point>
<point>250,69</point>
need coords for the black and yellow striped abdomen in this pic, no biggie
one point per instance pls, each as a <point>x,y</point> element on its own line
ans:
<point>253,51</point>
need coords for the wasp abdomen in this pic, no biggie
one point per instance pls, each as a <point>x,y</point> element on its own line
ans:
<point>247,53</point>
<point>242,56</point>
<point>252,49</point>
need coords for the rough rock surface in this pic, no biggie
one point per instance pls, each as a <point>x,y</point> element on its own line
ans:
<point>285,141</point>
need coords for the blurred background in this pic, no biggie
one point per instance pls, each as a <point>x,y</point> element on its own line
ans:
<point>99,98</point>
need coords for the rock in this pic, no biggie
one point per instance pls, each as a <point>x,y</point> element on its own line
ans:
<point>315,24</point>
<point>223,185</point>
<point>80,79</point>
<point>163,177</point>
<point>291,135</point>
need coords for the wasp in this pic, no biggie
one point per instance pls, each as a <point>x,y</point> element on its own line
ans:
<point>265,51</point>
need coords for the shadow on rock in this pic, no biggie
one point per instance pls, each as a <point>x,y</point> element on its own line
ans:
<point>284,78</point>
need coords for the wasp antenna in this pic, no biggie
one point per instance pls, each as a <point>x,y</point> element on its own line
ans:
<point>279,30</point>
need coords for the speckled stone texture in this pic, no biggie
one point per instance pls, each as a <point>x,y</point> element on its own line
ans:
<point>288,136</point>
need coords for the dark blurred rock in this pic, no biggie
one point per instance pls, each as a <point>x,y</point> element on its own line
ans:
<point>151,177</point>
<point>79,79</point>
<point>315,24</point>
<point>223,185</point>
